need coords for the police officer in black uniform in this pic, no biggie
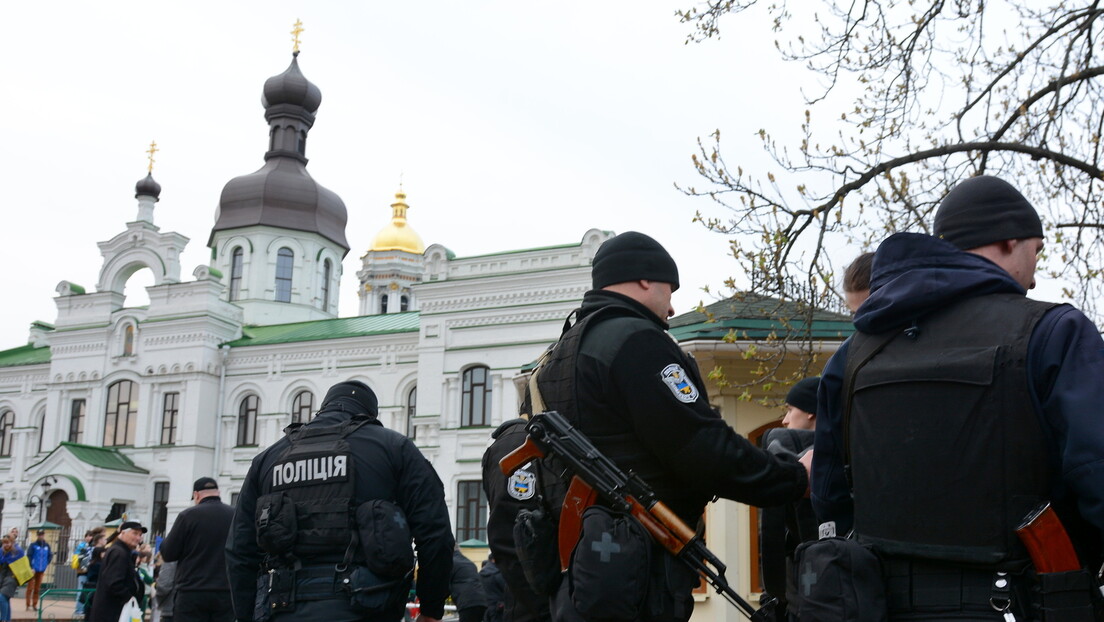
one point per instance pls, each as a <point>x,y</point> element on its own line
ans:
<point>324,521</point>
<point>619,377</point>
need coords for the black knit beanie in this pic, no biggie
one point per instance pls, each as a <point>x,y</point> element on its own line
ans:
<point>983,210</point>
<point>633,256</point>
<point>351,396</point>
<point>803,395</point>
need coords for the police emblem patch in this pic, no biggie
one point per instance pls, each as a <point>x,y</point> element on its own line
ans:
<point>522,485</point>
<point>678,381</point>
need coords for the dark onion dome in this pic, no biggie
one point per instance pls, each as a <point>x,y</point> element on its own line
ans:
<point>147,187</point>
<point>282,194</point>
<point>291,87</point>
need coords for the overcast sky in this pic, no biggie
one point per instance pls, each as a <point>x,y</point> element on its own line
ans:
<point>514,124</point>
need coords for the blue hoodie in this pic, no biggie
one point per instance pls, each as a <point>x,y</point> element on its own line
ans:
<point>915,274</point>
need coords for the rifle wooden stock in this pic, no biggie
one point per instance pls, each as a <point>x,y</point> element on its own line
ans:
<point>519,457</point>
<point>664,526</point>
<point>1047,541</point>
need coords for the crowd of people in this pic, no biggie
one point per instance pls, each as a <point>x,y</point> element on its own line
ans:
<point>957,410</point>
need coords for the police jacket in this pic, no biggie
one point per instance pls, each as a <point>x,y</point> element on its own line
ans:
<point>506,496</point>
<point>916,277</point>
<point>118,583</point>
<point>387,466</point>
<point>640,399</point>
<point>198,542</point>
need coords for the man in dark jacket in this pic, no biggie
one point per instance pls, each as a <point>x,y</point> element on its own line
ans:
<point>620,378</point>
<point>198,541</point>
<point>118,579</point>
<point>494,588</point>
<point>297,498</point>
<point>970,404</point>
<point>466,589</point>
<point>782,528</point>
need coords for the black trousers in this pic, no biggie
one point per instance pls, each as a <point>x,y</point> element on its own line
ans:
<point>203,606</point>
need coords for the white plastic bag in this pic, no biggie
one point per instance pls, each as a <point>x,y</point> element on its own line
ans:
<point>131,612</point>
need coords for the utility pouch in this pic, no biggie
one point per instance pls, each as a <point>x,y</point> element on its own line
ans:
<point>373,596</point>
<point>385,538</point>
<point>276,523</point>
<point>1066,597</point>
<point>537,550</point>
<point>275,593</point>
<point>610,567</point>
<point>838,579</point>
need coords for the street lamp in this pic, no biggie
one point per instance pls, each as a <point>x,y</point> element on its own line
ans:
<point>39,502</point>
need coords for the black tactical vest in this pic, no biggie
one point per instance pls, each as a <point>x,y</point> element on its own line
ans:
<point>309,491</point>
<point>558,386</point>
<point>946,451</point>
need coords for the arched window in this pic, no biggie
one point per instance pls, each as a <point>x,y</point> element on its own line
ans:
<point>411,410</point>
<point>475,404</point>
<point>7,422</point>
<point>302,407</point>
<point>383,303</point>
<point>247,420</point>
<point>128,340</point>
<point>236,259</point>
<point>122,414</point>
<point>404,304</point>
<point>41,432</point>
<point>327,273</point>
<point>284,260</point>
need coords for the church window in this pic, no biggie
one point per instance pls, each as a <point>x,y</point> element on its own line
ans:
<point>117,511</point>
<point>122,414</point>
<point>7,422</point>
<point>128,340</point>
<point>302,143</point>
<point>327,274</point>
<point>247,420</point>
<point>77,409</point>
<point>41,431</point>
<point>236,273</point>
<point>411,410</point>
<point>302,407</point>
<point>383,303</point>
<point>284,259</point>
<point>160,516</point>
<point>471,511</point>
<point>404,304</point>
<point>169,414</point>
<point>475,404</point>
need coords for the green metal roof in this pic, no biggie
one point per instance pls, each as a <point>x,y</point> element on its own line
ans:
<point>337,328</point>
<point>102,457</point>
<point>24,355</point>
<point>750,316</point>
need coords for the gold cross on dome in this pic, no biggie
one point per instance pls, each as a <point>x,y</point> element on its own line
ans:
<point>296,30</point>
<point>152,150</point>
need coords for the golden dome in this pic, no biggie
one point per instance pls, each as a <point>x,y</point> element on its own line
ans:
<point>398,236</point>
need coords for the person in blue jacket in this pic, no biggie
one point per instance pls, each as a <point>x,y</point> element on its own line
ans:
<point>40,557</point>
<point>958,407</point>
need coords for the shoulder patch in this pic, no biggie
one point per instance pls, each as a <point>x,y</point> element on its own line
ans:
<point>522,485</point>
<point>678,381</point>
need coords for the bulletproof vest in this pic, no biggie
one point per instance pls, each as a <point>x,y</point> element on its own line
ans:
<point>310,491</point>
<point>946,451</point>
<point>557,382</point>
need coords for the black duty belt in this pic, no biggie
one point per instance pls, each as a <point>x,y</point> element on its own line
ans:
<point>317,583</point>
<point>922,586</point>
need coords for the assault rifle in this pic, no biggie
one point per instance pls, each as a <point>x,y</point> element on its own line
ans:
<point>596,476</point>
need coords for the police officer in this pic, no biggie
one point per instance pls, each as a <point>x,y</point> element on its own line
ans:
<point>325,516</point>
<point>970,405</point>
<point>619,377</point>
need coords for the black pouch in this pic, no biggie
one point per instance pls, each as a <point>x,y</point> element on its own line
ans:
<point>276,523</point>
<point>275,593</point>
<point>374,596</point>
<point>610,567</point>
<point>385,538</point>
<point>1066,597</point>
<point>838,579</point>
<point>538,555</point>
